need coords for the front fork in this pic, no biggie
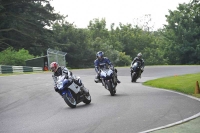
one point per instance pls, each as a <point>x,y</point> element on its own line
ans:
<point>103,82</point>
<point>68,92</point>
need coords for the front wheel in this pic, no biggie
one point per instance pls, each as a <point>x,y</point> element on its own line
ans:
<point>110,88</point>
<point>133,77</point>
<point>87,98</point>
<point>69,99</point>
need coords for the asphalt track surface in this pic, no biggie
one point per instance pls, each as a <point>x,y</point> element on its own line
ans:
<point>28,104</point>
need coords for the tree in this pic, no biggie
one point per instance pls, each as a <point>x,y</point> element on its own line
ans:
<point>75,42</point>
<point>23,24</point>
<point>183,33</point>
<point>98,29</point>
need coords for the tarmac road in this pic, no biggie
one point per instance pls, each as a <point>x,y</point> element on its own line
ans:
<point>28,104</point>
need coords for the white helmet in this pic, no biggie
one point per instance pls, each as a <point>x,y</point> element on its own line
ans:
<point>139,55</point>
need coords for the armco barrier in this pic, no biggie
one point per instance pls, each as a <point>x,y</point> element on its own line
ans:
<point>27,69</point>
<point>6,69</point>
<point>15,69</point>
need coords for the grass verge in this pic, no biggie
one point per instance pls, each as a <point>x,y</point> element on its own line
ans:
<point>180,83</point>
<point>18,73</point>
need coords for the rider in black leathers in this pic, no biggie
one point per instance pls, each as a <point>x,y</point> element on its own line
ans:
<point>140,59</point>
<point>58,70</point>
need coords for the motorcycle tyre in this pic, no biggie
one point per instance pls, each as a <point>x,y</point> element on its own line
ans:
<point>133,77</point>
<point>110,88</point>
<point>68,102</point>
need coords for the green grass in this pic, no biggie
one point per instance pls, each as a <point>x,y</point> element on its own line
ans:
<point>19,73</point>
<point>180,83</point>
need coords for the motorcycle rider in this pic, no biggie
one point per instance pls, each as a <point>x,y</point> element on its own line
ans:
<point>58,70</point>
<point>101,62</point>
<point>140,59</point>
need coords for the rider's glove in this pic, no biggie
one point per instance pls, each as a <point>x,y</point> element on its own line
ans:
<point>56,89</point>
<point>66,76</point>
<point>112,68</point>
<point>71,79</point>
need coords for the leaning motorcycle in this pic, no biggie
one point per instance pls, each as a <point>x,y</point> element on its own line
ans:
<point>71,92</point>
<point>135,71</point>
<point>109,80</point>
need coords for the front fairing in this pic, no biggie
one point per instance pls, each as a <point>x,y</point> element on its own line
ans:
<point>66,86</point>
<point>136,67</point>
<point>106,74</point>
<point>62,82</point>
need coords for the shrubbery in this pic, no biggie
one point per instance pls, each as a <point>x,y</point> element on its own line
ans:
<point>15,58</point>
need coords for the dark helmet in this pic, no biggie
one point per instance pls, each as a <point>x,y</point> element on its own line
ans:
<point>99,55</point>
<point>139,55</point>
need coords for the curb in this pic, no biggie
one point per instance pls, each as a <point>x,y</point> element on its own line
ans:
<point>178,122</point>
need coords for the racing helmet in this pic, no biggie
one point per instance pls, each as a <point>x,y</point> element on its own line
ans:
<point>100,55</point>
<point>54,66</point>
<point>139,55</point>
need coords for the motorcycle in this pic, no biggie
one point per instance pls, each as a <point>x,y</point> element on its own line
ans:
<point>108,80</point>
<point>71,92</point>
<point>135,71</point>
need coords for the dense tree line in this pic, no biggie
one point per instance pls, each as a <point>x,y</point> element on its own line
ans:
<point>182,34</point>
<point>32,25</point>
<point>23,24</point>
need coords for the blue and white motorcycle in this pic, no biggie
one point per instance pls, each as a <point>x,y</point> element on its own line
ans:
<point>108,80</point>
<point>71,92</point>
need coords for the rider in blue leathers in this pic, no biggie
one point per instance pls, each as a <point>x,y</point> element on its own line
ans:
<point>102,62</point>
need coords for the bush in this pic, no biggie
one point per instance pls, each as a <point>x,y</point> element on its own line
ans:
<point>124,60</point>
<point>14,58</point>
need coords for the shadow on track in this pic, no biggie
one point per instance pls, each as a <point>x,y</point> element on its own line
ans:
<point>80,106</point>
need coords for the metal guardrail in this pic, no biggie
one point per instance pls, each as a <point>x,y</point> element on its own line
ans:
<point>15,69</point>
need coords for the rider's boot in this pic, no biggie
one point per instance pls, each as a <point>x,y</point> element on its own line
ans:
<point>118,81</point>
<point>97,80</point>
<point>86,91</point>
<point>140,75</point>
<point>141,72</point>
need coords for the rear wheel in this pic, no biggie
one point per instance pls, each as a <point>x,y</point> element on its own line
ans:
<point>70,100</point>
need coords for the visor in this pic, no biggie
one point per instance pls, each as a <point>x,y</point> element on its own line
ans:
<point>52,69</point>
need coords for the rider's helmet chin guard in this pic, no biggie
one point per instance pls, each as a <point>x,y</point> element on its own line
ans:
<point>54,66</point>
<point>100,55</point>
